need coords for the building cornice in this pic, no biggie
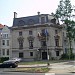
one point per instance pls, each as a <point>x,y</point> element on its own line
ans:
<point>37,26</point>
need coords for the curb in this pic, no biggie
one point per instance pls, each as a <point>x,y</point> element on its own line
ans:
<point>31,66</point>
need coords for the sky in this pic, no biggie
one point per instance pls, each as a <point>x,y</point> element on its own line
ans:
<point>25,8</point>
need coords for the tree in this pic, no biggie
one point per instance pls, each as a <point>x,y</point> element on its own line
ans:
<point>64,9</point>
<point>70,32</point>
<point>63,12</point>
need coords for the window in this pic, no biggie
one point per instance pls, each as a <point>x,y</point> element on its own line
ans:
<point>3,42</point>
<point>21,23</point>
<point>66,51</point>
<point>20,33</point>
<point>56,32</point>
<point>31,22</point>
<point>30,44</point>
<point>7,51</point>
<point>31,53</point>
<point>5,35</point>
<point>30,32</point>
<point>42,20</point>
<point>7,42</point>
<point>3,51</point>
<point>43,43</point>
<point>57,53</point>
<point>20,45</point>
<point>21,55</point>
<point>56,42</point>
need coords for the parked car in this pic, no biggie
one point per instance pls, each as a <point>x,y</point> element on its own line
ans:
<point>16,60</point>
<point>8,64</point>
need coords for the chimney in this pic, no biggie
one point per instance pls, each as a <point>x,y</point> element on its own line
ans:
<point>15,15</point>
<point>38,13</point>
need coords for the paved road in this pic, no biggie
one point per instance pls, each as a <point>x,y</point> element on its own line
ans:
<point>22,73</point>
<point>65,74</point>
<point>19,73</point>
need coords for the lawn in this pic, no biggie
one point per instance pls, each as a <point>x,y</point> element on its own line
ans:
<point>30,70</point>
<point>40,62</point>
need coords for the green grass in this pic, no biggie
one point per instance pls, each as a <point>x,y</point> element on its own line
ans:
<point>40,62</point>
<point>31,70</point>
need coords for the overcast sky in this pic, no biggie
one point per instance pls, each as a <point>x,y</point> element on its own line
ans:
<point>26,8</point>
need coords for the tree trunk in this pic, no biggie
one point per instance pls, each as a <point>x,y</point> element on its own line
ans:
<point>70,48</point>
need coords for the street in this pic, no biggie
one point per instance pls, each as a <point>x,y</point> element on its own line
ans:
<point>63,68</point>
<point>22,73</point>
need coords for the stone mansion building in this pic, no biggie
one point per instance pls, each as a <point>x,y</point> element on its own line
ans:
<point>38,37</point>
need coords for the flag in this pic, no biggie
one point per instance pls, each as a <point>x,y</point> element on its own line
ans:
<point>39,35</point>
<point>46,32</point>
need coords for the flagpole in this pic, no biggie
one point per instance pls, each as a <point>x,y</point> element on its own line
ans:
<point>47,47</point>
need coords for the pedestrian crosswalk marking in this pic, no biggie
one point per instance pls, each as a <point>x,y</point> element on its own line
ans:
<point>49,73</point>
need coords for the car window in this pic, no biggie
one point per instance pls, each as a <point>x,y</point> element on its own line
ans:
<point>7,62</point>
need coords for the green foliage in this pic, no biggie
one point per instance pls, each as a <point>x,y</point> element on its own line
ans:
<point>70,28</point>
<point>66,56</point>
<point>64,9</point>
<point>3,59</point>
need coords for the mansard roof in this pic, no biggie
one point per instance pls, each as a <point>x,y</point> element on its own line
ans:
<point>30,20</point>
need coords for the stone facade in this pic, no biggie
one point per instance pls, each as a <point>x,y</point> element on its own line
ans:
<point>5,42</point>
<point>37,37</point>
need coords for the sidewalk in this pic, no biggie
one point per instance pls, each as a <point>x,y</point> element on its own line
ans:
<point>32,66</point>
<point>57,68</point>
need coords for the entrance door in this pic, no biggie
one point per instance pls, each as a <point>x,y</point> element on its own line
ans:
<point>44,55</point>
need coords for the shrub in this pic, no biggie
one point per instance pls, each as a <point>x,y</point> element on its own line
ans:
<point>3,59</point>
<point>66,56</point>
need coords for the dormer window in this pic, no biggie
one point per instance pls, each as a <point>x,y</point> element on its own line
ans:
<point>21,23</point>
<point>43,20</point>
<point>31,22</point>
